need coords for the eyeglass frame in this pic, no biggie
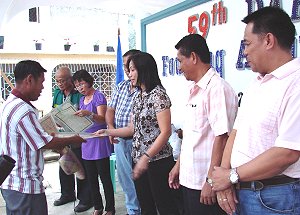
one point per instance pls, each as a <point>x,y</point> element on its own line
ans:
<point>80,86</point>
<point>61,81</point>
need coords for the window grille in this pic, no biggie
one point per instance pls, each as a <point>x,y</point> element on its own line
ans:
<point>7,69</point>
<point>104,76</point>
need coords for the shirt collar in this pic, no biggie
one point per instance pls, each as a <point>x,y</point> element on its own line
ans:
<point>204,81</point>
<point>18,94</point>
<point>282,71</point>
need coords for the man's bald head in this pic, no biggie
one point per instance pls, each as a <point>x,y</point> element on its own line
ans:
<point>64,71</point>
<point>63,77</point>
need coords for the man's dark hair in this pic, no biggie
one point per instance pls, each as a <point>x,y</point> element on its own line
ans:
<point>83,75</point>
<point>131,52</point>
<point>147,70</point>
<point>194,43</point>
<point>273,20</point>
<point>28,67</point>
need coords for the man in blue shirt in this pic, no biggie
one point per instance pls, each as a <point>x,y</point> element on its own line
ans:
<point>117,116</point>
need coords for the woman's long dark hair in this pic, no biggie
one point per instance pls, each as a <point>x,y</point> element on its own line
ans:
<point>147,70</point>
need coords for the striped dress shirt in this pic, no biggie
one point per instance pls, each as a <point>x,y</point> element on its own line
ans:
<point>22,138</point>
<point>210,111</point>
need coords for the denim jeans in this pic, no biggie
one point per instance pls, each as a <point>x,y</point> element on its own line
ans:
<point>124,170</point>
<point>272,200</point>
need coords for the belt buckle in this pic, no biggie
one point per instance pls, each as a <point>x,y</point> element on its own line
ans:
<point>257,185</point>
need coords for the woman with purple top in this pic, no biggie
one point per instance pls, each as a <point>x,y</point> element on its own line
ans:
<point>96,151</point>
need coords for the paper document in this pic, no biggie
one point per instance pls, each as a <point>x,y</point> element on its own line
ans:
<point>48,124</point>
<point>84,135</point>
<point>64,116</point>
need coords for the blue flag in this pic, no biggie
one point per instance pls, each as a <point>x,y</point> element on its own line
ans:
<point>120,71</point>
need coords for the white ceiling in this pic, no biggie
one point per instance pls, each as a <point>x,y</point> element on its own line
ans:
<point>140,8</point>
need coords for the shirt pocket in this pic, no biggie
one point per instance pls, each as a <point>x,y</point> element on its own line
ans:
<point>197,117</point>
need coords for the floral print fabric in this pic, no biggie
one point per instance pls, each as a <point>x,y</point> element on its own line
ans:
<point>146,128</point>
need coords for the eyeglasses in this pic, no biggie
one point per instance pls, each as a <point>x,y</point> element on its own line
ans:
<point>61,81</point>
<point>79,86</point>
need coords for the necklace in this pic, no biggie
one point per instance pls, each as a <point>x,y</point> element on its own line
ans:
<point>87,100</point>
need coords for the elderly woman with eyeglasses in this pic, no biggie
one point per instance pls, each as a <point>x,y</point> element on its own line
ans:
<point>96,151</point>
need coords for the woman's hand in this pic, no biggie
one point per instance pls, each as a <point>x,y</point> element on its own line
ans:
<point>113,140</point>
<point>174,177</point>
<point>82,113</point>
<point>101,133</point>
<point>140,167</point>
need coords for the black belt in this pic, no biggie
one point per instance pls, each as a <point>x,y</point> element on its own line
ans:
<point>260,184</point>
<point>127,138</point>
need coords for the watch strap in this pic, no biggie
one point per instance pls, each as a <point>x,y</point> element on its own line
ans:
<point>209,181</point>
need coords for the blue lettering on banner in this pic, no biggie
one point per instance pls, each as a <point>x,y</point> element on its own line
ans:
<point>240,65</point>
<point>295,16</point>
<point>240,61</point>
<point>219,62</point>
<point>275,3</point>
<point>171,65</point>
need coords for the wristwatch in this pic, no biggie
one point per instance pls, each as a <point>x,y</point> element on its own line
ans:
<point>209,181</point>
<point>234,176</point>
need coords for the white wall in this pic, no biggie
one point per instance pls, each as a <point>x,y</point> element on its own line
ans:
<point>49,62</point>
<point>83,26</point>
<point>164,34</point>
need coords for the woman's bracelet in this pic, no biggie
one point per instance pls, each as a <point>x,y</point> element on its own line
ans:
<point>147,155</point>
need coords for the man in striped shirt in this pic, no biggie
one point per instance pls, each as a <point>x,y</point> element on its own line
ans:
<point>117,116</point>
<point>23,139</point>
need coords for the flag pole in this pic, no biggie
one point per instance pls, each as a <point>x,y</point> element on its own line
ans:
<point>119,69</point>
